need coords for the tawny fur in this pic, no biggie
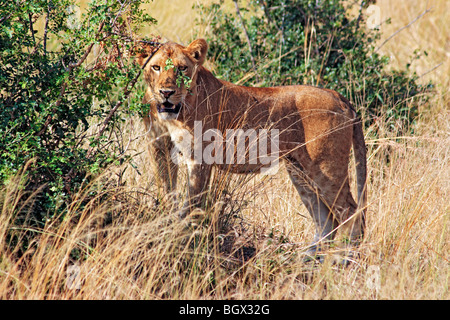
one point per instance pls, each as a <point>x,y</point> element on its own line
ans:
<point>317,128</point>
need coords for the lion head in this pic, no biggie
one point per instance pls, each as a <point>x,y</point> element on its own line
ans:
<point>171,73</point>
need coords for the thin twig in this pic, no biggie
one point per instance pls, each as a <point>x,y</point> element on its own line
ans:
<point>358,20</point>
<point>269,19</point>
<point>88,51</point>
<point>46,29</point>
<point>431,70</point>
<point>30,17</point>
<point>5,17</point>
<point>401,29</point>
<point>49,117</point>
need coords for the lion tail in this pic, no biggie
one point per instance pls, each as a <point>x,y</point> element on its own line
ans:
<point>359,148</point>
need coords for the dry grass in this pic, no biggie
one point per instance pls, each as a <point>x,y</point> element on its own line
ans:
<point>124,245</point>
<point>430,33</point>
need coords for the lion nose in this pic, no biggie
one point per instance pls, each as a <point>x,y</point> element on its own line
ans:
<point>167,93</point>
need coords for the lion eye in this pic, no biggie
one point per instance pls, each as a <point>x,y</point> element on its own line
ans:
<point>156,68</point>
<point>182,68</point>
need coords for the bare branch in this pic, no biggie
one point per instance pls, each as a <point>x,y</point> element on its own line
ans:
<point>431,70</point>
<point>46,28</point>
<point>358,20</point>
<point>403,28</point>
<point>30,17</point>
<point>76,65</point>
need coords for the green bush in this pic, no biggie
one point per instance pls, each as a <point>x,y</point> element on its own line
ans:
<point>282,42</point>
<point>60,73</point>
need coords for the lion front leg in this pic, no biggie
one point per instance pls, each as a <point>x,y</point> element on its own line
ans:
<point>165,170</point>
<point>160,145</point>
<point>198,178</point>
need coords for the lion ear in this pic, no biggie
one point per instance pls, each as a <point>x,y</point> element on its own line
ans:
<point>197,50</point>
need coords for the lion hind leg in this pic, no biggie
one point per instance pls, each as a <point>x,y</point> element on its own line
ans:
<point>324,220</point>
<point>345,210</point>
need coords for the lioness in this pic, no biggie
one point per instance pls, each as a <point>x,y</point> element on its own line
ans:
<point>317,128</point>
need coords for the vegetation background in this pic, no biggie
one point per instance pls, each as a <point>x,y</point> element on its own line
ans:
<point>120,243</point>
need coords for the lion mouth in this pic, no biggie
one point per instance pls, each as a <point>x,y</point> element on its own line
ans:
<point>169,107</point>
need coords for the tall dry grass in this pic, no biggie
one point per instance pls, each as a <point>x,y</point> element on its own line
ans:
<point>123,243</point>
<point>430,33</point>
<point>124,246</point>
